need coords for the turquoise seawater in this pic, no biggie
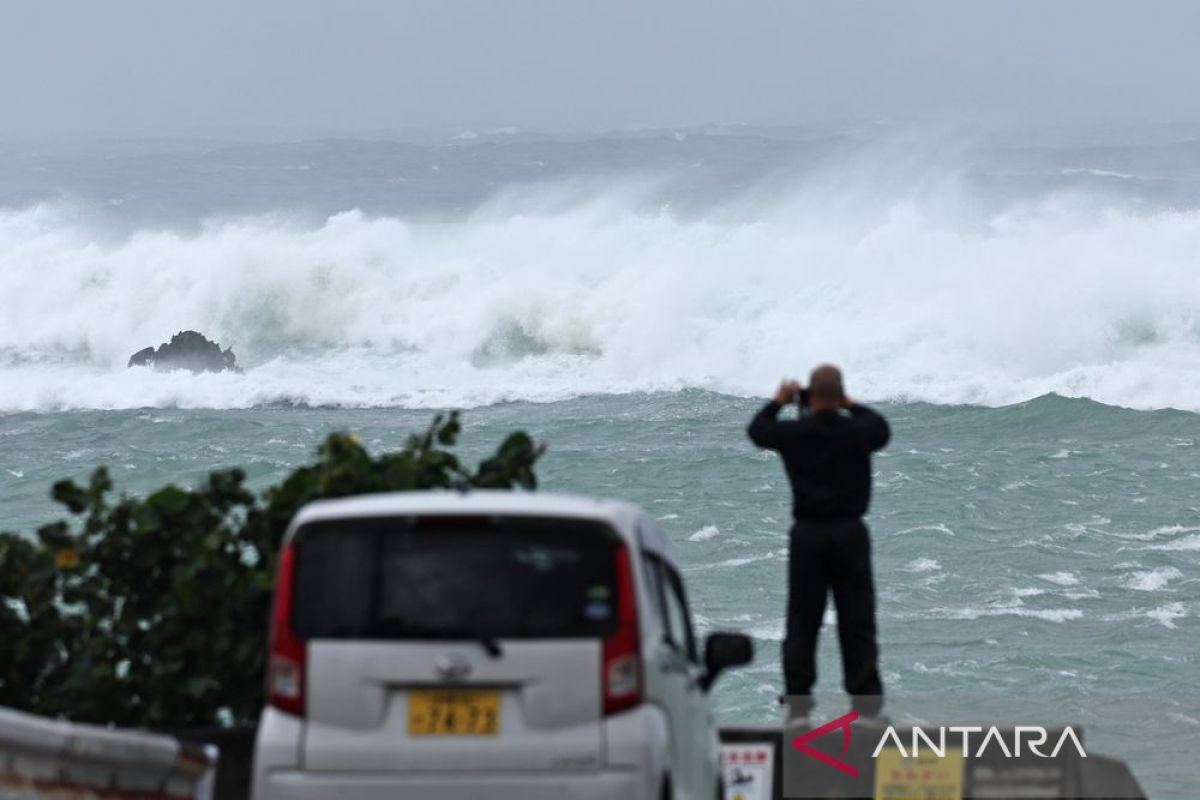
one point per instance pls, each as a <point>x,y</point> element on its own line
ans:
<point>1050,547</point>
<point>1024,306</point>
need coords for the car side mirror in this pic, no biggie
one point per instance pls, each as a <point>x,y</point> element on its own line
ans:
<point>723,651</point>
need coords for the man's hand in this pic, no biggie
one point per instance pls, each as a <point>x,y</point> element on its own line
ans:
<point>787,392</point>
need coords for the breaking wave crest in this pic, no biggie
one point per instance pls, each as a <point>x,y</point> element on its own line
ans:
<point>919,297</point>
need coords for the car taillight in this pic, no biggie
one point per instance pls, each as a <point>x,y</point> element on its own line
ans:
<point>621,670</point>
<point>288,653</point>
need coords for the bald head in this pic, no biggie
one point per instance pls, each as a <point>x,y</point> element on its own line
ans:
<point>825,387</point>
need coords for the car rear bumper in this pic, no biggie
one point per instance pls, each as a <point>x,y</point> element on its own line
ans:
<point>607,785</point>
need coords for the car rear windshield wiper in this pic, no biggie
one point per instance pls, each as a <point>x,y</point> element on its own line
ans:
<point>402,630</point>
<point>491,645</point>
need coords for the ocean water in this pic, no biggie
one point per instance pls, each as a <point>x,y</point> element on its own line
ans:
<point>1024,308</point>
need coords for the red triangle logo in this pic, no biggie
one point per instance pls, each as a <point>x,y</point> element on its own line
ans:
<point>801,743</point>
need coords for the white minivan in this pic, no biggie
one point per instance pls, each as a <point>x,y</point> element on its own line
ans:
<point>485,644</point>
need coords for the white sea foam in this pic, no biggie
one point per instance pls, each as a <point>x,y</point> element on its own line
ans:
<point>1154,533</point>
<point>704,534</point>
<point>1045,614</point>
<point>1060,578</point>
<point>1152,580</point>
<point>923,565</point>
<point>740,561</point>
<point>1190,542</point>
<point>770,630</point>
<point>542,297</point>
<point>1167,530</point>
<point>939,527</point>
<point>1167,614</point>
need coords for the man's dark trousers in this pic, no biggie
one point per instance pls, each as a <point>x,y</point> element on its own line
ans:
<point>835,556</point>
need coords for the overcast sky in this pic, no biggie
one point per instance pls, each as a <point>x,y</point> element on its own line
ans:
<point>117,66</point>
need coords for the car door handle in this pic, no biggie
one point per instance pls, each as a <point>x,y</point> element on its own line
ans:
<point>670,661</point>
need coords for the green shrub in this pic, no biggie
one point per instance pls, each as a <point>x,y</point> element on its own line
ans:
<point>153,611</point>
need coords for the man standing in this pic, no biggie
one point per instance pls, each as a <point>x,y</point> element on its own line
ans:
<point>827,455</point>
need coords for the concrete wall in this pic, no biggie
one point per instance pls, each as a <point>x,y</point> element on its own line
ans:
<point>44,758</point>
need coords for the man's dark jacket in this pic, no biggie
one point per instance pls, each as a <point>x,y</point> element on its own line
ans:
<point>827,456</point>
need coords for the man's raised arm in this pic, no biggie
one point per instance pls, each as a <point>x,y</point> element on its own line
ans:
<point>765,429</point>
<point>873,424</point>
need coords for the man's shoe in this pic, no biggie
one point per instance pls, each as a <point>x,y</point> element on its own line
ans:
<point>798,708</point>
<point>796,715</point>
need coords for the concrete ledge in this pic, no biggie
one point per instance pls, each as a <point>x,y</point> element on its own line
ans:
<point>44,758</point>
<point>992,776</point>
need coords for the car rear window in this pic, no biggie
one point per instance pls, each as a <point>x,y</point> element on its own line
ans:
<point>448,578</point>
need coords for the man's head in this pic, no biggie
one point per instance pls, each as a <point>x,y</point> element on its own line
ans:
<point>825,390</point>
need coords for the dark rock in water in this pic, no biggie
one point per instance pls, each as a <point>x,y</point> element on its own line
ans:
<point>187,350</point>
<point>143,357</point>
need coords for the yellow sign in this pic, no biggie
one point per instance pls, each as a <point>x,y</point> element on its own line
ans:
<point>67,558</point>
<point>454,712</point>
<point>926,776</point>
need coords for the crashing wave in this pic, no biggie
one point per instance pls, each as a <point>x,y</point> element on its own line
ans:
<point>916,298</point>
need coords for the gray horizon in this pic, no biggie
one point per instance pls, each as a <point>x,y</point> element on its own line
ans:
<point>310,67</point>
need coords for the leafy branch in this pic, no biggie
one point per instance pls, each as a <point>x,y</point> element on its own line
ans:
<point>152,610</point>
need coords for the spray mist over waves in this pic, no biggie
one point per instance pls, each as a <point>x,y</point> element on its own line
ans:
<point>919,297</point>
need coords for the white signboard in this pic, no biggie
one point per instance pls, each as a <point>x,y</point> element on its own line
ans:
<point>748,770</point>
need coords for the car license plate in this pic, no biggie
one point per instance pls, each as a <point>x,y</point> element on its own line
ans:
<point>454,712</point>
